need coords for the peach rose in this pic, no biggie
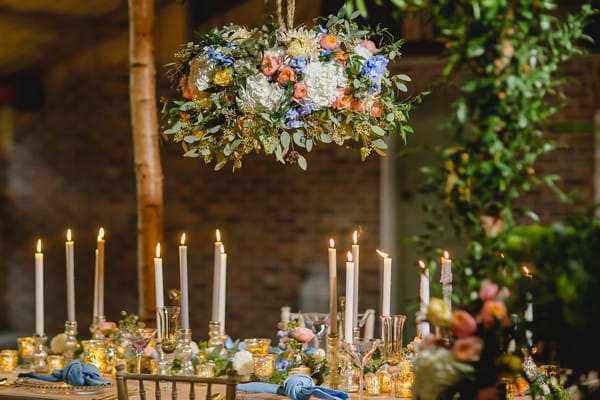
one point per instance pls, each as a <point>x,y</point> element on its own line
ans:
<point>358,106</point>
<point>286,73</point>
<point>270,65</point>
<point>329,42</point>
<point>302,334</point>
<point>300,90</point>
<point>492,310</point>
<point>376,109</point>
<point>369,45</point>
<point>488,393</point>
<point>462,324</point>
<point>468,349</point>
<point>342,103</point>
<point>488,291</point>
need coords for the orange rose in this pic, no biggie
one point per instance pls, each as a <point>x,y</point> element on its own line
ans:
<point>329,42</point>
<point>340,56</point>
<point>342,103</point>
<point>358,106</point>
<point>376,109</point>
<point>492,311</point>
<point>185,89</point>
<point>269,65</point>
<point>286,74</point>
<point>468,349</point>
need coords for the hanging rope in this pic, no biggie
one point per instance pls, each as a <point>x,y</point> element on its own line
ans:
<point>290,8</point>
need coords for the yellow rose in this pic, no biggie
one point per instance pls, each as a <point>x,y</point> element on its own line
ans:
<point>223,78</point>
<point>438,312</point>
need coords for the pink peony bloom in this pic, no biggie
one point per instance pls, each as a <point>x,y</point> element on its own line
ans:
<point>462,324</point>
<point>468,349</point>
<point>302,334</point>
<point>488,291</point>
<point>270,65</point>
<point>286,74</point>
<point>369,45</point>
<point>329,42</point>
<point>148,351</point>
<point>488,393</point>
<point>492,311</point>
<point>300,90</point>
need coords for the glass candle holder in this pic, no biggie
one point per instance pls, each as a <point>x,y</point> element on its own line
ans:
<point>372,384</point>
<point>264,366</point>
<point>94,352</point>
<point>9,359</point>
<point>205,370</point>
<point>258,346</point>
<point>406,377</point>
<point>26,348</point>
<point>385,381</point>
<point>55,362</point>
<point>300,370</point>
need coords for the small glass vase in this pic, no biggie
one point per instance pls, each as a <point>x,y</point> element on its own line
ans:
<point>184,353</point>
<point>168,328</point>
<point>392,327</point>
<point>95,353</point>
<point>70,344</point>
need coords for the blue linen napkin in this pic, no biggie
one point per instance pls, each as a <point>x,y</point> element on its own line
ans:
<point>296,387</point>
<point>75,373</point>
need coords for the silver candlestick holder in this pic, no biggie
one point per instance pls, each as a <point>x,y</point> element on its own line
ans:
<point>40,353</point>
<point>70,340</point>
<point>95,329</point>
<point>184,352</point>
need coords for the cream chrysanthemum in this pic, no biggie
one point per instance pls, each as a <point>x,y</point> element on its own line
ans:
<point>300,42</point>
<point>322,82</point>
<point>202,72</point>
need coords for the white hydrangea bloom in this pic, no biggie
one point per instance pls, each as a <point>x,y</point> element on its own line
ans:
<point>434,372</point>
<point>322,81</point>
<point>242,363</point>
<point>259,94</point>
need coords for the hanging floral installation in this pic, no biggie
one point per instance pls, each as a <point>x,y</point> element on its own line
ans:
<point>286,90</point>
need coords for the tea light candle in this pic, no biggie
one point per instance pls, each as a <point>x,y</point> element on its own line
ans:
<point>39,290</point>
<point>424,295</point>
<point>183,284</point>
<point>349,311</point>
<point>333,315</point>
<point>70,258</point>
<point>158,279</point>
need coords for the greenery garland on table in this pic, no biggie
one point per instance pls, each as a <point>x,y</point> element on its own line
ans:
<point>279,90</point>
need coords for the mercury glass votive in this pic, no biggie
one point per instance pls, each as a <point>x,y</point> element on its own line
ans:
<point>406,377</point>
<point>385,381</point>
<point>372,384</point>
<point>258,346</point>
<point>94,352</point>
<point>264,366</point>
<point>205,370</point>
<point>26,348</point>
<point>55,362</point>
<point>300,370</point>
<point>9,359</point>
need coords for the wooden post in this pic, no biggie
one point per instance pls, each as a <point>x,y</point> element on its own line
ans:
<point>148,170</point>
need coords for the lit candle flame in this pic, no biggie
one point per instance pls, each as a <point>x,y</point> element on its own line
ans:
<point>218,235</point>
<point>101,233</point>
<point>422,264</point>
<point>349,256</point>
<point>526,271</point>
<point>382,254</point>
<point>157,250</point>
<point>502,255</point>
<point>39,246</point>
<point>446,255</point>
<point>331,243</point>
<point>183,239</point>
<point>69,236</point>
<point>355,237</point>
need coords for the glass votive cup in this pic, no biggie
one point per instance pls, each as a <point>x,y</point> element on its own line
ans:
<point>372,384</point>
<point>94,352</point>
<point>9,359</point>
<point>550,370</point>
<point>300,370</point>
<point>406,377</point>
<point>258,346</point>
<point>385,381</point>
<point>55,362</point>
<point>26,348</point>
<point>264,366</point>
<point>205,370</point>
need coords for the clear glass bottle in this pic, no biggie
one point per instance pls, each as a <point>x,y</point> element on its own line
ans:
<point>184,353</point>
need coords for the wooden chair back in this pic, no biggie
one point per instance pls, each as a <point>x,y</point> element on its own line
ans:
<point>230,381</point>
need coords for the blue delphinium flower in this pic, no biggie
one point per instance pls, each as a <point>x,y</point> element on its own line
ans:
<point>298,64</point>
<point>282,346</point>
<point>374,69</point>
<point>321,29</point>
<point>216,56</point>
<point>325,53</point>
<point>306,109</point>
<point>294,124</point>
<point>282,365</point>
<point>281,333</point>
<point>293,115</point>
